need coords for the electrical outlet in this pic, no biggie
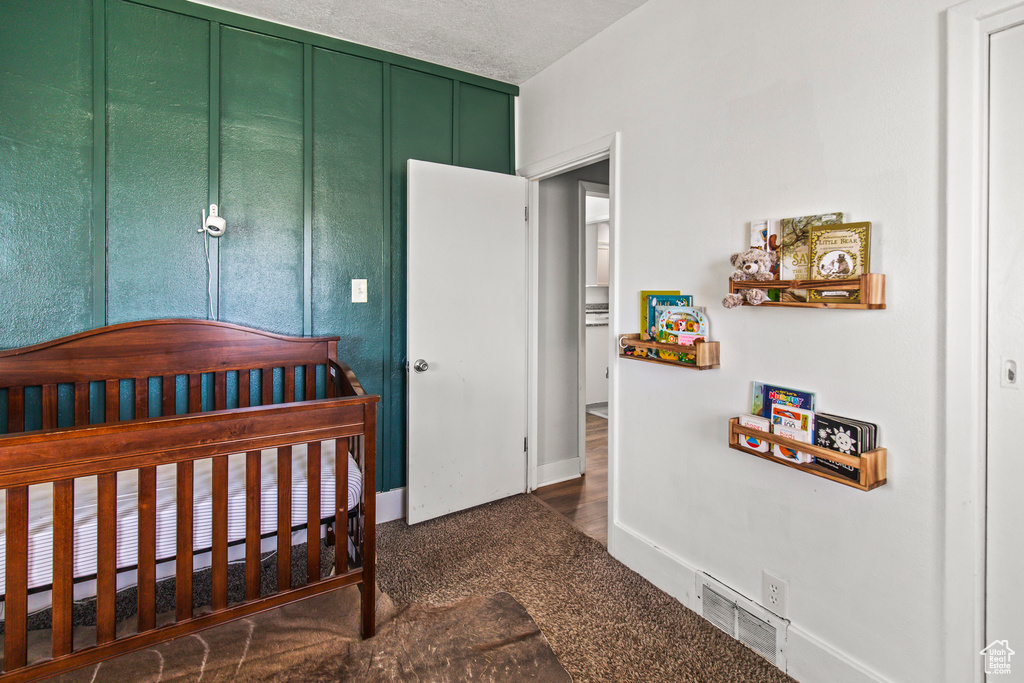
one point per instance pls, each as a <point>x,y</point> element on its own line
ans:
<point>774,592</point>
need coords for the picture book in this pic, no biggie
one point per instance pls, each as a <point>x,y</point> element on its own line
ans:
<point>682,325</point>
<point>869,431</point>
<point>786,453</point>
<point>837,252</point>
<point>768,394</point>
<point>843,435</point>
<point>792,418</point>
<point>760,233</point>
<point>761,424</point>
<point>646,319</point>
<point>794,259</point>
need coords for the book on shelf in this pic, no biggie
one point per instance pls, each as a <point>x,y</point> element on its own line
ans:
<point>793,423</point>
<point>761,424</point>
<point>794,255</point>
<point>764,396</point>
<point>844,435</point>
<point>648,314</point>
<point>837,252</point>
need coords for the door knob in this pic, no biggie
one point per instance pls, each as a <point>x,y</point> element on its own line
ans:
<point>420,366</point>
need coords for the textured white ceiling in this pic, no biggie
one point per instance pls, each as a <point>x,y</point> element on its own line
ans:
<point>509,40</point>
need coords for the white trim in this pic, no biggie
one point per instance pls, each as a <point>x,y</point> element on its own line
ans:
<point>555,472</point>
<point>390,505</point>
<point>585,189</point>
<point>968,26</point>
<point>808,659</point>
<point>584,155</point>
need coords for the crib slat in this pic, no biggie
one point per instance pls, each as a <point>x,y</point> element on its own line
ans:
<point>220,390</point>
<point>243,388</point>
<point>284,518</point>
<point>169,389</point>
<point>195,393</point>
<point>63,554</point>
<point>310,376</point>
<point>112,402</point>
<point>313,512</point>
<point>49,406</point>
<point>106,550</point>
<point>15,410</point>
<point>341,506</point>
<point>267,382</point>
<point>147,549</point>
<point>369,540</point>
<point>183,564</point>
<point>81,403</point>
<point>141,397</point>
<point>16,598</point>
<point>289,384</point>
<point>252,524</point>
<point>219,557</point>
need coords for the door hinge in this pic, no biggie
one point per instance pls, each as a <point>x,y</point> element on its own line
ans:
<point>525,443</point>
<point>526,214</point>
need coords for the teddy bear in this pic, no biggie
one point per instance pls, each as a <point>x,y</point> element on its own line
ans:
<point>752,264</point>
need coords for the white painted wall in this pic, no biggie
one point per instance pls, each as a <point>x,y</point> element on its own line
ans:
<point>558,360</point>
<point>741,110</point>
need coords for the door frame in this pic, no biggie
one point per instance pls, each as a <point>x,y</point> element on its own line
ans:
<point>606,147</point>
<point>586,188</point>
<point>968,26</point>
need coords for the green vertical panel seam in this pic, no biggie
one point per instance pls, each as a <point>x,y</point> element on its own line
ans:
<point>512,134</point>
<point>99,163</point>
<point>386,258</point>
<point>456,116</point>
<point>307,189</point>
<point>214,166</point>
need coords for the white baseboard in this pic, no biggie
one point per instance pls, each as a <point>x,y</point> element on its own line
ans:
<point>554,472</point>
<point>390,505</point>
<point>808,658</point>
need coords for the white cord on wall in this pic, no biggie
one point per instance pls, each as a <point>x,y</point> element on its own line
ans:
<point>214,225</point>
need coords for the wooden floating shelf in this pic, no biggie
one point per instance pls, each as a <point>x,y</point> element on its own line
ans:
<point>871,286</point>
<point>706,353</point>
<point>871,463</point>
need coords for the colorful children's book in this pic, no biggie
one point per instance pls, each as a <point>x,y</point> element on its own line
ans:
<point>767,394</point>
<point>761,424</point>
<point>787,421</point>
<point>656,304</point>
<point>794,258</point>
<point>645,321</point>
<point>838,252</point>
<point>682,325</point>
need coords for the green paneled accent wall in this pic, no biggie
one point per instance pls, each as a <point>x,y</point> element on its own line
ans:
<point>45,169</point>
<point>485,129</point>
<point>122,120</point>
<point>421,128</point>
<point>261,181</point>
<point>348,206</point>
<point>158,116</point>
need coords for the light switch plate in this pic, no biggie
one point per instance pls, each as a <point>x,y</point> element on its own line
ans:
<point>359,291</point>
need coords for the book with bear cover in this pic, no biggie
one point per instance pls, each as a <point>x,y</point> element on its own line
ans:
<point>838,252</point>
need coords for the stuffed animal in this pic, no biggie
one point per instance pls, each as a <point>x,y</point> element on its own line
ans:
<point>752,264</point>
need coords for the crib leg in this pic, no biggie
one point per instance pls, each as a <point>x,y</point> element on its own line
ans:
<point>369,589</point>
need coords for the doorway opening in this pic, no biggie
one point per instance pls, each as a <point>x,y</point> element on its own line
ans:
<point>574,281</point>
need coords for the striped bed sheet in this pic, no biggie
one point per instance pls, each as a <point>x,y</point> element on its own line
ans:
<point>40,545</point>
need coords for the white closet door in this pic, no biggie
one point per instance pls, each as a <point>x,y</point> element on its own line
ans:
<point>1005,518</point>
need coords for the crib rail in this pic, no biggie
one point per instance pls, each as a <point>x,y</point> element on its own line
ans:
<point>59,456</point>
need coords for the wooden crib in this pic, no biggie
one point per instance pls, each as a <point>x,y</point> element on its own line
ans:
<point>113,400</point>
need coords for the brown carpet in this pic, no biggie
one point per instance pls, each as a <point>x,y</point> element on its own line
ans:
<point>486,639</point>
<point>604,621</point>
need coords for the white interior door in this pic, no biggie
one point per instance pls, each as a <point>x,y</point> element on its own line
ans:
<point>467,338</point>
<point>1004,588</point>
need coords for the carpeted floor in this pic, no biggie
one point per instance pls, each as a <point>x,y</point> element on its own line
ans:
<point>604,622</point>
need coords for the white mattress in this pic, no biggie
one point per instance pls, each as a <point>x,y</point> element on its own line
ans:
<point>40,544</point>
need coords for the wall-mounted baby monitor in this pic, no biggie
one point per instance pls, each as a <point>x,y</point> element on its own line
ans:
<point>213,224</point>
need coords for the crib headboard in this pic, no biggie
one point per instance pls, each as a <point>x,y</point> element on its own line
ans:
<point>158,352</point>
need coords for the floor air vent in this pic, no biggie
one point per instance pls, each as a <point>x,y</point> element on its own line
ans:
<point>743,619</point>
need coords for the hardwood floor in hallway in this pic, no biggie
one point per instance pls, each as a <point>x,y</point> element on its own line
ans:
<point>584,501</point>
